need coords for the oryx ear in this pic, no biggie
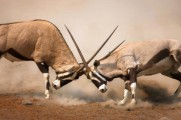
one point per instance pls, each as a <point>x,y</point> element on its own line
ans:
<point>96,63</point>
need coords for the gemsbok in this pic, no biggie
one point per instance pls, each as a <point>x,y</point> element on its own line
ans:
<point>42,42</point>
<point>136,59</point>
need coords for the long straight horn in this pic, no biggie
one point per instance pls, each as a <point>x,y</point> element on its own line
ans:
<point>80,53</point>
<point>101,46</point>
<point>110,52</point>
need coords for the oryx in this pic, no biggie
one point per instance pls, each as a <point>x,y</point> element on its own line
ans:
<point>135,59</point>
<point>40,41</point>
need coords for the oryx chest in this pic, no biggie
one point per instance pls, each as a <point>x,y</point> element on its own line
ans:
<point>158,67</point>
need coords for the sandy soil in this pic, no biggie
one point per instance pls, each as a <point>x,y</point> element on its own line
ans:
<point>22,98</point>
<point>27,106</point>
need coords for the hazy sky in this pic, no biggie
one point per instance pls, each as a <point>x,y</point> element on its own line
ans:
<point>91,21</point>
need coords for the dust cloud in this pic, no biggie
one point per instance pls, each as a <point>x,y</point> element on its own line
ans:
<point>91,22</point>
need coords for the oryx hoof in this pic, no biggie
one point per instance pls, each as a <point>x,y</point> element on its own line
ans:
<point>47,96</point>
<point>122,102</point>
<point>133,102</point>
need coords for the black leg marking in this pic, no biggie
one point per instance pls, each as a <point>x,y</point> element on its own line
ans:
<point>43,67</point>
<point>133,80</point>
<point>132,74</point>
<point>127,85</point>
<point>48,85</point>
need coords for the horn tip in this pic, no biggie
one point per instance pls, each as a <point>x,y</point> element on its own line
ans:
<point>65,25</point>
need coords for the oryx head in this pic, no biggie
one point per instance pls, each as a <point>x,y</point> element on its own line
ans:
<point>102,69</point>
<point>99,81</point>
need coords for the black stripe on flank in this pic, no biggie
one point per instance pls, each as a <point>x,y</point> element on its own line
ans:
<point>15,54</point>
<point>1,53</point>
<point>159,56</point>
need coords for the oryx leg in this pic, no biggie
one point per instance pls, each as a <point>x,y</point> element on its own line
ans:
<point>133,82</point>
<point>45,71</point>
<point>175,75</point>
<point>130,85</point>
<point>126,92</point>
<point>176,54</point>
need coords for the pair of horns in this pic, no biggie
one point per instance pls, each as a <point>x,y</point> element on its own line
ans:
<point>81,55</point>
<point>110,52</point>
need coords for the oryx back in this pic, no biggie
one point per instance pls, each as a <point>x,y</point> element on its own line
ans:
<point>36,40</point>
<point>152,56</point>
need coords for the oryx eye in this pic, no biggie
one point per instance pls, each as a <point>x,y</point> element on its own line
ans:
<point>96,63</point>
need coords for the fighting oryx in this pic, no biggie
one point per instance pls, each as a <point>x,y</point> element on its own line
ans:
<point>135,59</point>
<point>42,42</point>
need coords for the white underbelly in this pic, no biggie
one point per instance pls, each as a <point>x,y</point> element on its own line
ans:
<point>159,67</point>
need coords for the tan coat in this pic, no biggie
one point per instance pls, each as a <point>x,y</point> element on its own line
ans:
<point>146,55</point>
<point>37,40</point>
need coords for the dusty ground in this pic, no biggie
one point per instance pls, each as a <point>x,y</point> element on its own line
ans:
<point>26,106</point>
<point>22,98</point>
